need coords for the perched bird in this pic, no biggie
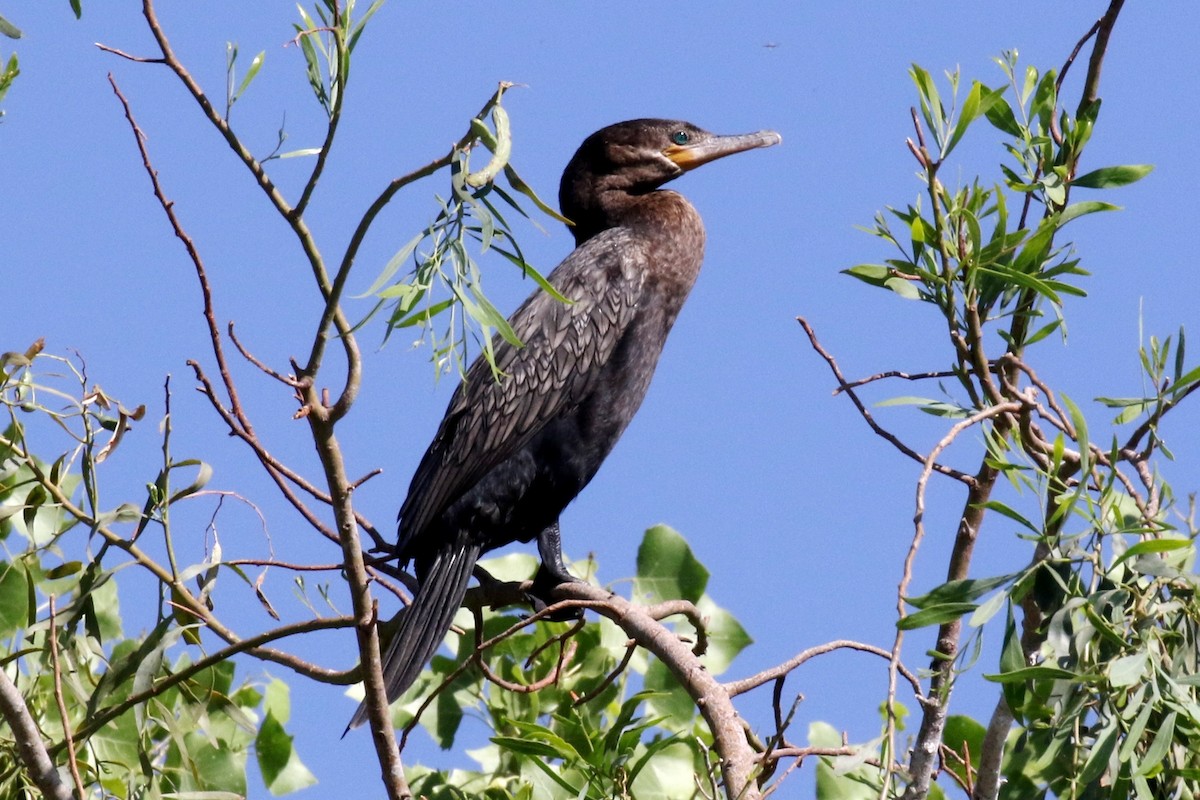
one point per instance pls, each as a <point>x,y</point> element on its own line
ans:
<point>512,453</point>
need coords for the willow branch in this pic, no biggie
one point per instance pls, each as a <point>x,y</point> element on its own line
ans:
<point>847,388</point>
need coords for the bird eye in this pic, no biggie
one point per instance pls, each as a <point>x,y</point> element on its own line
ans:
<point>680,137</point>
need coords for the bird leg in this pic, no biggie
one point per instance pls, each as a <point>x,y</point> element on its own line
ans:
<point>550,574</point>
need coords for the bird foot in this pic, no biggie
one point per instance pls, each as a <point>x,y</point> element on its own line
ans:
<point>540,594</point>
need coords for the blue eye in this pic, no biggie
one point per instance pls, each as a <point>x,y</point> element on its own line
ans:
<point>680,137</point>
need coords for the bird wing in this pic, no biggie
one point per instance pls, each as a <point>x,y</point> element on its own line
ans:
<point>564,347</point>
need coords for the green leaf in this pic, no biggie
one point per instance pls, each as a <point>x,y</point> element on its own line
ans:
<point>1097,760</point>
<point>14,598</point>
<point>515,181</point>
<point>669,699</point>
<point>1157,750</point>
<point>970,111</point>
<point>903,287</point>
<point>726,636</point>
<point>528,747</point>
<point>666,568</point>
<point>665,774</point>
<point>1153,546</point>
<point>1076,210</point>
<point>251,72</point>
<point>1000,114</point>
<point>874,274</point>
<point>962,591</point>
<point>964,736</point>
<point>1109,177</point>
<point>282,770</point>
<point>1128,670</point>
<point>934,615</point>
<point>1038,673</point>
<point>8,29</point>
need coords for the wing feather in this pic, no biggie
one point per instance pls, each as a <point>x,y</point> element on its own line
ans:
<point>565,347</point>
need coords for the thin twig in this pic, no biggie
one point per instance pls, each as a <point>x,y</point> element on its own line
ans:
<point>844,386</point>
<point>68,738</point>
<point>734,688</point>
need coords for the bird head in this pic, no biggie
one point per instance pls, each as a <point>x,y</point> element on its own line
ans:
<point>639,156</point>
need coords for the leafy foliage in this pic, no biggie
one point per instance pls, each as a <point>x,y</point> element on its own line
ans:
<point>135,713</point>
<point>569,720</point>
<point>1099,672</point>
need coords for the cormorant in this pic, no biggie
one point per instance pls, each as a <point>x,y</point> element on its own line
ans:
<point>512,453</point>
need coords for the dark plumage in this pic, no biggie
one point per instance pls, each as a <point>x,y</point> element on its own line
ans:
<point>511,454</point>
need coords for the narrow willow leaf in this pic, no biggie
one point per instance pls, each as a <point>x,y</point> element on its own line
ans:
<point>537,277</point>
<point>10,30</point>
<point>515,181</point>
<point>962,591</point>
<point>1153,546</point>
<point>934,615</point>
<point>303,152</point>
<point>393,265</point>
<point>1161,744</point>
<point>1134,735</point>
<point>969,113</point>
<point>1109,177</point>
<point>1076,210</point>
<point>1038,673</point>
<point>1097,760</point>
<point>1001,508</point>
<point>251,72</point>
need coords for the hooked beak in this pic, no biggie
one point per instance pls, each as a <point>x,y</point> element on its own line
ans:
<point>689,156</point>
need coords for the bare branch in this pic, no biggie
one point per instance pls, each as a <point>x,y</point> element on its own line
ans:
<point>845,386</point>
<point>30,747</point>
<point>734,688</point>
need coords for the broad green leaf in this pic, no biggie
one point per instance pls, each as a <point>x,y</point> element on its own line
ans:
<point>726,636</point>
<point>667,569</point>
<point>528,747</point>
<point>964,736</point>
<point>977,99</point>
<point>1000,114</point>
<point>1109,177</point>
<point>903,287</point>
<point>669,774</point>
<point>670,700</point>
<point>14,597</point>
<point>1128,670</point>
<point>874,274</point>
<point>282,770</point>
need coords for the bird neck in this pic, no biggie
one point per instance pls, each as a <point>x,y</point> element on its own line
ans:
<point>659,213</point>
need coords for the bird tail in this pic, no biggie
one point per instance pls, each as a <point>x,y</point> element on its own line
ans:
<point>423,624</point>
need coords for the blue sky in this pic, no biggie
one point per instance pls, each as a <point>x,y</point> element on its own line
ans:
<point>802,515</point>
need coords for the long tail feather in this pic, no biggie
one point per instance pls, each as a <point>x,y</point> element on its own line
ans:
<point>424,623</point>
